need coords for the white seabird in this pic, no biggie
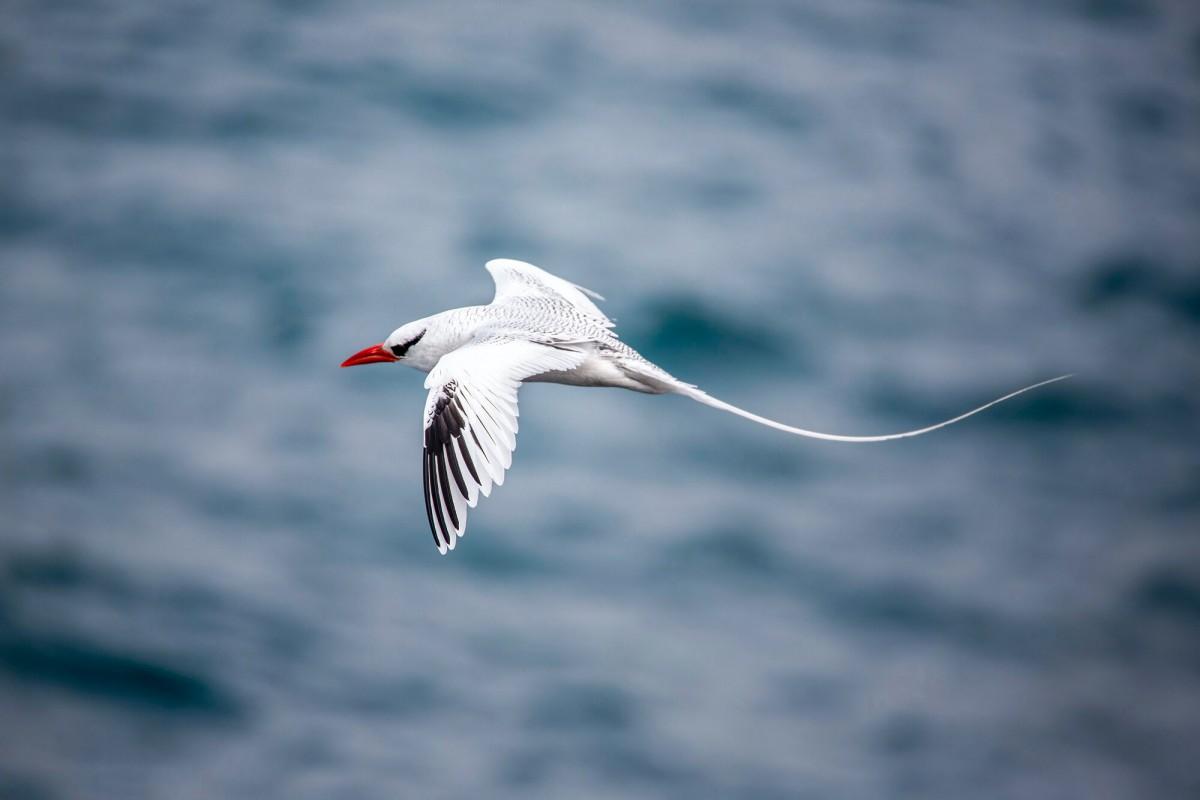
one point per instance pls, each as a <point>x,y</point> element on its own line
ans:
<point>538,327</point>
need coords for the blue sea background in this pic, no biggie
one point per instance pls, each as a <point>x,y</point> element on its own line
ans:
<point>216,577</point>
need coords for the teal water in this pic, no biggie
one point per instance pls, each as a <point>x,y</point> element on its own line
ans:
<point>216,578</point>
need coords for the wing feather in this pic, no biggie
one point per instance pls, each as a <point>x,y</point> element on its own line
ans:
<point>437,540</point>
<point>493,449</point>
<point>471,424</point>
<point>519,279</point>
<point>438,521</point>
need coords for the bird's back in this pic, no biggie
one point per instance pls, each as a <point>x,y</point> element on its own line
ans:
<point>557,323</point>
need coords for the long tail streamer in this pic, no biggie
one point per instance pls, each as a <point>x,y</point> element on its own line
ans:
<point>709,400</point>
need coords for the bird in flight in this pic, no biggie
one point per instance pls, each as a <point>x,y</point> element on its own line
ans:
<point>538,327</point>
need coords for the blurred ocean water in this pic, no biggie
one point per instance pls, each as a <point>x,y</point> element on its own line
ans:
<point>216,578</point>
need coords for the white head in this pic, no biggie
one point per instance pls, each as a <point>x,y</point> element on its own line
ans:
<point>406,344</point>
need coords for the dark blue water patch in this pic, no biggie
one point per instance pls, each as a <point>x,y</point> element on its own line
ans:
<point>410,697</point>
<point>632,762</point>
<point>1122,14</point>
<point>717,192</point>
<point>450,103</point>
<point>583,707</point>
<point>810,696</point>
<point>294,507</point>
<point>92,108</point>
<point>69,577</point>
<point>1057,154</point>
<point>1143,113</point>
<point>718,187</point>
<point>144,234</point>
<point>528,768</point>
<point>266,43</point>
<point>901,36</point>
<point>518,651</point>
<point>205,610</point>
<point>55,463</point>
<point>906,609</point>
<point>735,551</point>
<point>904,735</point>
<point>569,524</point>
<point>567,55</point>
<point>1080,405</point>
<point>19,216</point>
<point>1181,495</point>
<point>280,114</point>
<point>758,105</point>
<point>1119,279</point>
<point>1075,402</point>
<point>1050,85</point>
<point>14,786</point>
<point>306,7</point>
<point>924,530</point>
<point>175,27</point>
<point>121,97</point>
<point>8,612</point>
<point>889,607</point>
<point>709,15</point>
<point>192,255</point>
<point>636,762</point>
<point>684,332</point>
<point>302,751</point>
<point>290,312</point>
<point>489,553</point>
<point>8,57</point>
<point>934,154</point>
<point>61,570</point>
<point>1172,593</point>
<point>822,26</point>
<point>1136,640</point>
<point>1113,734</point>
<point>300,437</point>
<point>488,237</point>
<point>773,461</point>
<point>170,28</point>
<point>97,670</point>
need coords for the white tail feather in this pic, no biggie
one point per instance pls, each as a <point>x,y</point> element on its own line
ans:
<point>708,400</point>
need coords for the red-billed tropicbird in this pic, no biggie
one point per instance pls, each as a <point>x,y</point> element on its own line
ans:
<point>538,327</point>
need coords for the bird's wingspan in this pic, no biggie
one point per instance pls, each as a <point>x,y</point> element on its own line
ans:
<point>471,424</point>
<point>518,279</point>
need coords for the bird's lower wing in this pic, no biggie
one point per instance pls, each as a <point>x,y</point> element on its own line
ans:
<point>471,424</point>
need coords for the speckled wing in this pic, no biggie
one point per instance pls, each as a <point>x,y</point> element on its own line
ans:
<point>519,279</point>
<point>471,424</point>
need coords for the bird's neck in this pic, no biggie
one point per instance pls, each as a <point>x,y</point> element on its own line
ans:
<point>446,331</point>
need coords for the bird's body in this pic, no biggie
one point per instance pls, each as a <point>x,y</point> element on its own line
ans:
<point>538,328</point>
<point>548,320</point>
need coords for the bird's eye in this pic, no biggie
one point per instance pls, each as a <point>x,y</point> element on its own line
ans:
<point>398,350</point>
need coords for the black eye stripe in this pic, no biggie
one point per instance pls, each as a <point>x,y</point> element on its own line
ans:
<point>398,350</point>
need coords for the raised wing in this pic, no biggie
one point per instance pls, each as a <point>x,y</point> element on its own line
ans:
<point>471,424</point>
<point>518,279</point>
